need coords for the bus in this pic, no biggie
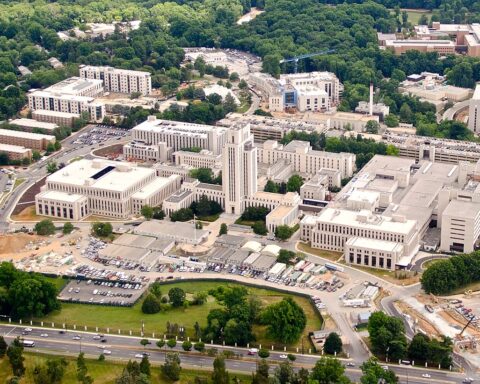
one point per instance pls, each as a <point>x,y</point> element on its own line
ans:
<point>28,343</point>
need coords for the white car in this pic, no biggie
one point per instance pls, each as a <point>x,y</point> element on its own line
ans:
<point>44,335</point>
<point>426,375</point>
<point>28,329</point>
<point>139,355</point>
<point>107,352</point>
<point>76,337</point>
<point>283,357</point>
<point>97,337</point>
<point>385,367</point>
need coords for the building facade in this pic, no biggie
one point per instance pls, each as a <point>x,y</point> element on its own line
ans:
<point>119,80</point>
<point>36,141</point>
<point>63,119</point>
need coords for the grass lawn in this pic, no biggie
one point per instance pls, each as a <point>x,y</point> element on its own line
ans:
<point>102,372</point>
<point>29,214</point>
<point>394,277</point>
<point>429,263</point>
<point>210,218</point>
<point>414,15</point>
<point>330,255</point>
<point>245,222</point>
<point>59,282</point>
<point>18,182</point>
<point>131,318</point>
<point>473,287</point>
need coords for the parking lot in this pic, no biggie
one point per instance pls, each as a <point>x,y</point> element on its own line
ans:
<point>99,134</point>
<point>115,293</point>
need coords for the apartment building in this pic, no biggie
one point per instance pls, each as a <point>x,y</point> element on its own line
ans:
<point>179,135</point>
<point>63,119</point>
<point>74,95</point>
<point>304,158</point>
<point>108,188</point>
<point>119,80</point>
<point>16,152</point>
<point>30,125</point>
<point>36,141</point>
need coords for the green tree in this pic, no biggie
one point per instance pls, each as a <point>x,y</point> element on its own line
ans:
<point>50,148</point>
<point>284,373</point>
<point>145,366</point>
<point>144,342</point>
<point>171,343</point>
<point>372,126</point>
<point>263,353</point>
<point>82,370</point>
<point>51,372</point>
<point>243,85</point>
<point>271,187</point>
<point>36,155</point>
<point>156,290</point>
<point>223,229</point>
<point>285,320</point>
<point>285,256</point>
<point>100,229</point>
<point>171,369</point>
<point>387,334</point>
<point>199,346</point>
<point>183,214</point>
<point>3,346</point>
<point>176,296</point>
<point>151,304</point>
<point>67,228</point>
<point>187,345</point>
<point>158,213</point>
<point>333,344</point>
<point>329,371</point>
<point>294,183</point>
<point>391,120</point>
<point>229,104</point>
<point>261,374</point>
<point>220,373</point>
<point>44,227</point>
<point>406,114</point>
<point>15,356</point>
<point>52,167</point>
<point>283,232</point>
<point>271,65</point>
<point>259,228</point>
<point>160,343</point>
<point>57,145</point>
<point>392,150</point>
<point>147,212</point>
<point>373,373</point>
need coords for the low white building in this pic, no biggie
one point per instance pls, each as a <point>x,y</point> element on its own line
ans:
<point>107,186</point>
<point>177,231</point>
<point>305,159</point>
<point>155,193</point>
<point>220,91</point>
<point>281,215</point>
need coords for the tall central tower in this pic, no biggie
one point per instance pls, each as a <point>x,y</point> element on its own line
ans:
<point>239,176</point>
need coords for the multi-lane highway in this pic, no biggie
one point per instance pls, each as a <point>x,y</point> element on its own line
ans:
<point>124,348</point>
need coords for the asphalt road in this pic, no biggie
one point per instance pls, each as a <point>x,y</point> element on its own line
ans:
<point>125,348</point>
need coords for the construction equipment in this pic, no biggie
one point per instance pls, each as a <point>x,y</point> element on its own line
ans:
<point>466,326</point>
<point>295,59</point>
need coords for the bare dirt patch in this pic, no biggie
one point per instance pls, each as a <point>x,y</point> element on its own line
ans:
<point>28,198</point>
<point>16,242</point>
<point>422,322</point>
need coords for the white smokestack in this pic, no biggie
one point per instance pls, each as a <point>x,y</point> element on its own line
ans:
<point>370,112</point>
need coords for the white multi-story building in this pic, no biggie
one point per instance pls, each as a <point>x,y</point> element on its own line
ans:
<point>239,168</point>
<point>474,111</point>
<point>139,151</point>
<point>202,159</point>
<point>108,187</point>
<point>304,158</point>
<point>315,91</point>
<point>460,226</point>
<point>155,193</point>
<point>179,135</point>
<point>119,80</point>
<point>76,86</point>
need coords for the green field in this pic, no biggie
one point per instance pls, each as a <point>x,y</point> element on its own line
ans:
<point>415,14</point>
<point>131,318</point>
<point>58,281</point>
<point>102,372</point>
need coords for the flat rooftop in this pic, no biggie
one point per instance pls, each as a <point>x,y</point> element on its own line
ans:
<point>137,241</point>
<point>379,245</point>
<point>26,135</point>
<point>73,85</point>
<point>63,96</point>
<point>101,174</point>
<point>60,196</point>
<point>375,222</point>
<point>170,229</point>
<point>45,112</point>
<point>34,124</point>
<point>178,196</point>
<point>280,212</point>
<point>176,128</point>
<point>151,188</point>
<point>462,209</point>
<point>129,72</point>
<point>13,148</point>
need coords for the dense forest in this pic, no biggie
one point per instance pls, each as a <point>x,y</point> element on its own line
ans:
<point>28,36</point>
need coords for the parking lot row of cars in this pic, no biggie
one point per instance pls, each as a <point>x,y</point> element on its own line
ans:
<point>100,134</point>
<point>87,272</point>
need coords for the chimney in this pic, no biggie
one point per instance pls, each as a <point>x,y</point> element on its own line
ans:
<point>370,112</point>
